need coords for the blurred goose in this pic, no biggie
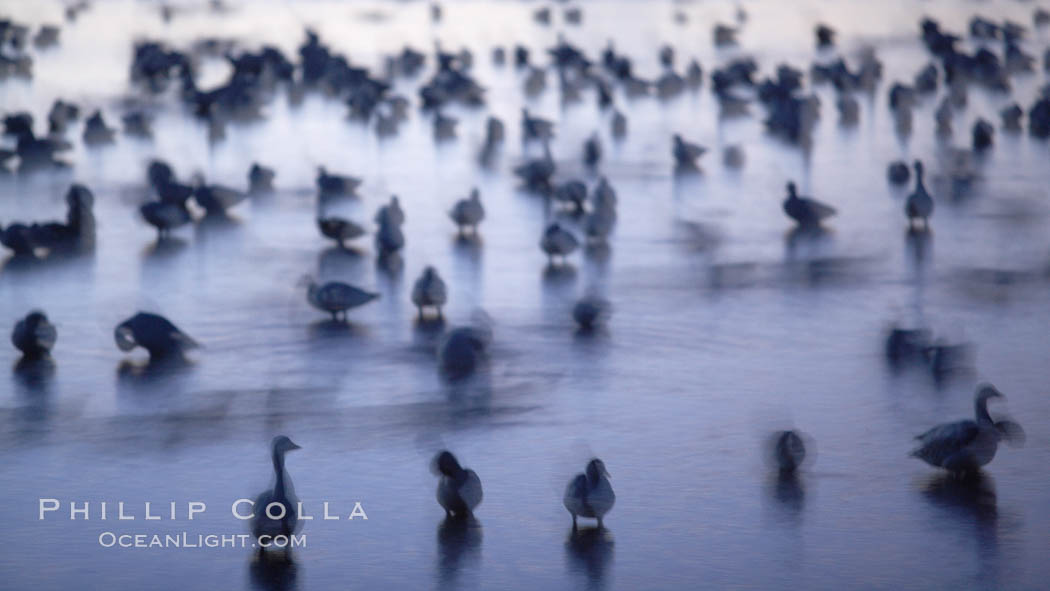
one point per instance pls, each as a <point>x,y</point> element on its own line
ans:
<point>685,153</point>
<point>34,335</point>
<point>983,135</point>
<point>592,151</point>
<point>724,35</point>
<point>137,124</point>
<point>919,204</point>
<point>165,216</point>
<point>391,213</point>
<point>96,131</point>
<point>964,446</point>
<point>898,172</point>
<point>216,199</point>
<point>535,128</point>
<point>590,494</point>
<point>459,488</point>
<point>1011,117</point>
<point>590,312</point>
<point>788,451</point>
<point>537,173</point>
<point>572,194</point>
<point>339,229</point>
<point>282,493</point>
<point>468,213</point>
<point>618,124</point>
<point>335,297</point>
<point>558,242</point>
<point>805,211</point>
<point>389,237</point>
<point>603,198</point>
<point>260,178</point>
<point>493,132</point>
<point>154,333</point>
<point>463,348</point>
<point>849,109</point>
<point>334,184</point>
<point>429,291</point>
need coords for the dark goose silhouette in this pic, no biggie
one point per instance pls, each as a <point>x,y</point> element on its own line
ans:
<point>964,446</point>
<point>282,493</point>
<point>154,333</point>
<point>807,212</point>
<point>590,494</point>
<point>459,488</point>
<point>34,335</point>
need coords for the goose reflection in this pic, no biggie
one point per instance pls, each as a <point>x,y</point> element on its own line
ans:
<point>458,547</point>
<point>787,496</point>
<point>917,242</point>
<point>339,261</point>
<point>266,573</point>
<point>589,553</point>
<point>971,502</point>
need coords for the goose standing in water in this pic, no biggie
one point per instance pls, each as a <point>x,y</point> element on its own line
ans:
<point>685,153</point>
<point>339,229</point>
<point>336,185</point>
<point>459,489</point>
<point>807,213</point>
<point>788,451</point>
<point>590,312</point>
<point>468,213</point>
<point>429,292</point>
<point>391,212</point>
<point>154,333</point>
<point>964,446</point>
<point>590,494</point>
<point>335,297</point>
<point>558,242</point>
<point>282,494</point>
<point>34,335</point>
<point>260,179</point>
<point>919,204</point>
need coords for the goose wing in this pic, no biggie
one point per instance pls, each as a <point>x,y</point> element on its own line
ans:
<point>575,495</point>
<point>944,441</point>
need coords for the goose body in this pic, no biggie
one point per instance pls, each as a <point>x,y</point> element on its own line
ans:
<point>468,213</point>
<point>339,229</point>
<point>964,446</point>
<point>391,213</point>
<point>805,211</point>
<point>686,153</point>
<point>334,184</point>
<point>590,312</point>
<point>34,335</point>
<point>788,451</point>
<point>216,199</point>
<point>336,297</point>
<point>920,204</point>
<point>260,178</point>
<point>590,494</point>
<point>155,333</point>
<point>429,291</point>
<point>389,237</point>
<point>165,216</point>
<point>558,242</point>
<point>459,489</point>
<point>282,493</point>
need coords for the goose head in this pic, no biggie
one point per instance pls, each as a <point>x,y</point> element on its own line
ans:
<point>282,445</point>
<point>446,464</point>
<point>918,169</point>
<point>124,337</point>
<point>596,470</point>
<point>791,189</point>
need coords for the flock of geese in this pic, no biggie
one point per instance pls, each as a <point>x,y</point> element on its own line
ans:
<point>959,447</point>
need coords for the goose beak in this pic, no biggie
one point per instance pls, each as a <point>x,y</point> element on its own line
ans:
<point>292,446</point>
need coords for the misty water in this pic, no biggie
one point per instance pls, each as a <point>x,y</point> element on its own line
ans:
<point>726,324</point>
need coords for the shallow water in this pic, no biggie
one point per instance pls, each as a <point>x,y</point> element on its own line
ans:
<point>726,326</point>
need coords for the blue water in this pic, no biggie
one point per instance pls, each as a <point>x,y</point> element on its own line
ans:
<point>725,325</point>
